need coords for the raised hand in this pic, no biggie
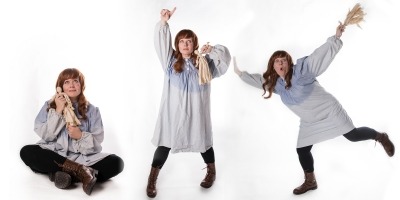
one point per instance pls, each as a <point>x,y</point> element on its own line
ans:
<point>206,48</point>
<point>235,67</point>
<point>166,14</point>
<point>340,30</point>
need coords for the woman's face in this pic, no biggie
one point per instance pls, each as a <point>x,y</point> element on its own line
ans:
<point>186,47</point>
<point>281,66</point>
<point>72,87</point>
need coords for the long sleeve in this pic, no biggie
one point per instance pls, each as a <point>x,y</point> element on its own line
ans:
<point>221,59</point>
<point>162,44</point>
<point>91,139</point>
<point>255,80</point>
<point>322,57</point>
<point>48,124</point>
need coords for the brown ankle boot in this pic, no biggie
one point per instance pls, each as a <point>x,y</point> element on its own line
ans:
<point>151,189</point>
<point>383,138</point>
<point>309,184</point>
<point>84,174</point>
<point>61,179</point>
<point>210,176</point>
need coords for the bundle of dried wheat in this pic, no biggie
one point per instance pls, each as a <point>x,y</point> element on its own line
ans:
<point>204,70</point>
<point>355,16</point>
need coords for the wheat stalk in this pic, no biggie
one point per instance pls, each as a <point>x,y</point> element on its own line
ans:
<point>355,16</point>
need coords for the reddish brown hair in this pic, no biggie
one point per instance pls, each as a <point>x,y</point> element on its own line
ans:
<point>184,34</point>
<point>270,76</point>
<point>72,73</point>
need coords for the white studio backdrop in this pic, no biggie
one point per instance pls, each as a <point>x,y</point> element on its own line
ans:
<point>111,42</point>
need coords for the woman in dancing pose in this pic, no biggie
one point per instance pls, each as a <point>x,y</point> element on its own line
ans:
<point>184,123</point>
<point>321,115</point>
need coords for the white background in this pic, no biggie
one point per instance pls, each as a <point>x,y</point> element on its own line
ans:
<point>111,42</point>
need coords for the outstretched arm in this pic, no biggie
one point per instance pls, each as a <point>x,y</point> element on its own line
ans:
<point>323,56</point>
<point>255,80</point>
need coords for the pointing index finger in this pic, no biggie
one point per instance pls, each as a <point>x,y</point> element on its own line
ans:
<point>173,10</point>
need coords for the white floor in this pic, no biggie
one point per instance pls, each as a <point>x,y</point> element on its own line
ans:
<point>111,42</point>
<point>250,165</point>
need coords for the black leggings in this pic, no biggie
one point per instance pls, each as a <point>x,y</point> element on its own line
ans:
<point>358,134</point>
<point>44,161</point>
<point>161,155</point>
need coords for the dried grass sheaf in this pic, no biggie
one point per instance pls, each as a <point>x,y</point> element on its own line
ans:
<point>355,16</point>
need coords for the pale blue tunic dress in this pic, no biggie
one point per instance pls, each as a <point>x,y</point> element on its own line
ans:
<point>50,127</point>
<point>321,115</point>
<point>184,122</point>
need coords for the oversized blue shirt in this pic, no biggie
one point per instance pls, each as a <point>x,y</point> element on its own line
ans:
<point>321,115</point>
<point>184,120</point>
<point>50,127</point>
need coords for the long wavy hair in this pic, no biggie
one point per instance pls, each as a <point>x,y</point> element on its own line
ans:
<point>270,76</point>
<point>72,73</point>
<point>184,34</point>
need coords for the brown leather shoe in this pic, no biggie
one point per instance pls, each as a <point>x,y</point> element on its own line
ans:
<point>209,179</point>
<point>151,189</point>
<point>84,174</point>
<point>383,138</point>
<point>309,184</point>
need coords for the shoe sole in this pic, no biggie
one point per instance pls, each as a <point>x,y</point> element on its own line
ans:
<point>89,189</point>
<point>314,188</point>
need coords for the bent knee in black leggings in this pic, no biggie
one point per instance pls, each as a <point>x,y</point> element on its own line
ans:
<point>360,134</point>
<point>27,152</point>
